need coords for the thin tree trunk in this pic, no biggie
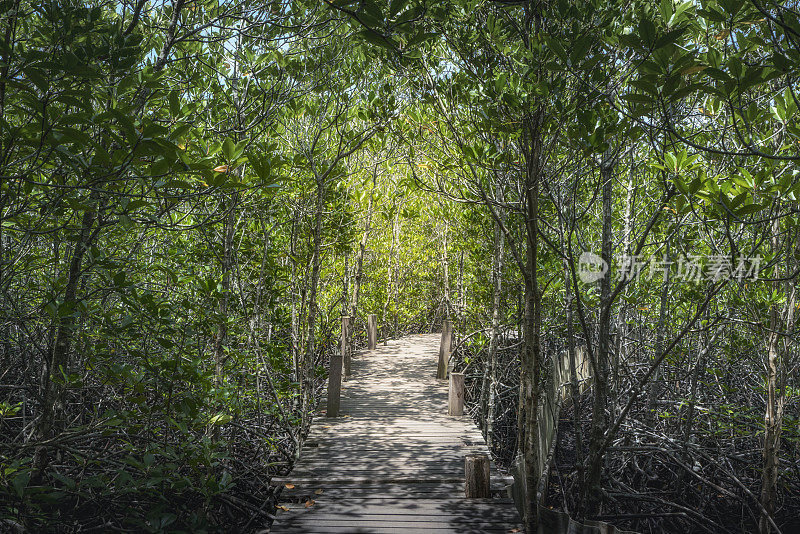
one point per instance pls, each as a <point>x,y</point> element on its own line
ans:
<point>308,356</point>
<point>703,348</point>
<point>391,273</point>
<point>777,374</point>
<point>573,375</point>
<point>655,384</point>
<point>295,312</point>
<point>531,365</point>
<point>460,285</point>
<point>346,285</point>
<point>490,382</point>
<point>620,354</point>
<point>396,287</point>
<point>53,387</point>
<point>600,382</point>
<point>227,260</point>
<point>446,271</point>
<point>360,257</point>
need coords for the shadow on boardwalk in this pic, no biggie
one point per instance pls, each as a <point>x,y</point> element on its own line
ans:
<point>394,460</point>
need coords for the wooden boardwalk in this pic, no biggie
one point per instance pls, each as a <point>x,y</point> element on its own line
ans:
<point>394,460</point>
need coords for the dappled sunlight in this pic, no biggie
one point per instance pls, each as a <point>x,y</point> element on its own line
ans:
<point>394,458</point>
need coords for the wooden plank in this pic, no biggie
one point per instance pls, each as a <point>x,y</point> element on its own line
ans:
<point>357,456</point>
<point>385,529</point>
<point>455,522</point>
<point>459,525</point>
<point>380,492</point>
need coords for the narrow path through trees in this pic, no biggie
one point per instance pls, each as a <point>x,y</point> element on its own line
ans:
<point>393,460</point>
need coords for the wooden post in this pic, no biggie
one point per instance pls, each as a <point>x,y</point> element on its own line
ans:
<point>346,345</point>
<point>455,397</point>
<point>372,331</point>
<point>334,385</point>
<point>444,349</point>
<point>476,470</point>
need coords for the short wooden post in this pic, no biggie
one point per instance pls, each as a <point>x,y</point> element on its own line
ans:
<point>476,467</point>
<point>455,397</point>
<point>334,385</point>
<point>444,349</point>
<point>372,331</point>
<point>346,345</point>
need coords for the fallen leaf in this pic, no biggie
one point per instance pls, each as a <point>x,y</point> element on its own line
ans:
<point>309,503</point>
<point>515,530</point>
<point>319,492</point>
<point>221,168</point>
<point>282,508</point>
<point>289,486</point>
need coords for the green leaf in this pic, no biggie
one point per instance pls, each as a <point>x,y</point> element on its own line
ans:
<point>159,167</point>
<point>738,199</point>
<point>751,77</point>
<point>671,161</point>
<point>666,10</point>
<point>371,13</point>
<point>670,37</point>
<point>580,48</point>
<point>375,38</point>
<point>500,82</point>
<point>637,98</point>
<point>119,279</point>
<point>747,210</point>
<point>229,149</point>
<point>20,482</point>
<point>410,14</point>
<point>630,40</point>
<point>556,46</point>
<point>174,103</point>
<point>396,6</point>
<point>647,31</point>
<point>717,74</point>
<point>731,7</point>
<point>261,167</point>
<point>687,90</point>
<point>220,419</point>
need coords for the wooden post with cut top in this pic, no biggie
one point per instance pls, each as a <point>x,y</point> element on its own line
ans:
<point>476,471</point>
<point>455,396</point>
<point>444,349</point>
<point>334,385</point>
<point>346,356</point>
<point>372,331</point>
